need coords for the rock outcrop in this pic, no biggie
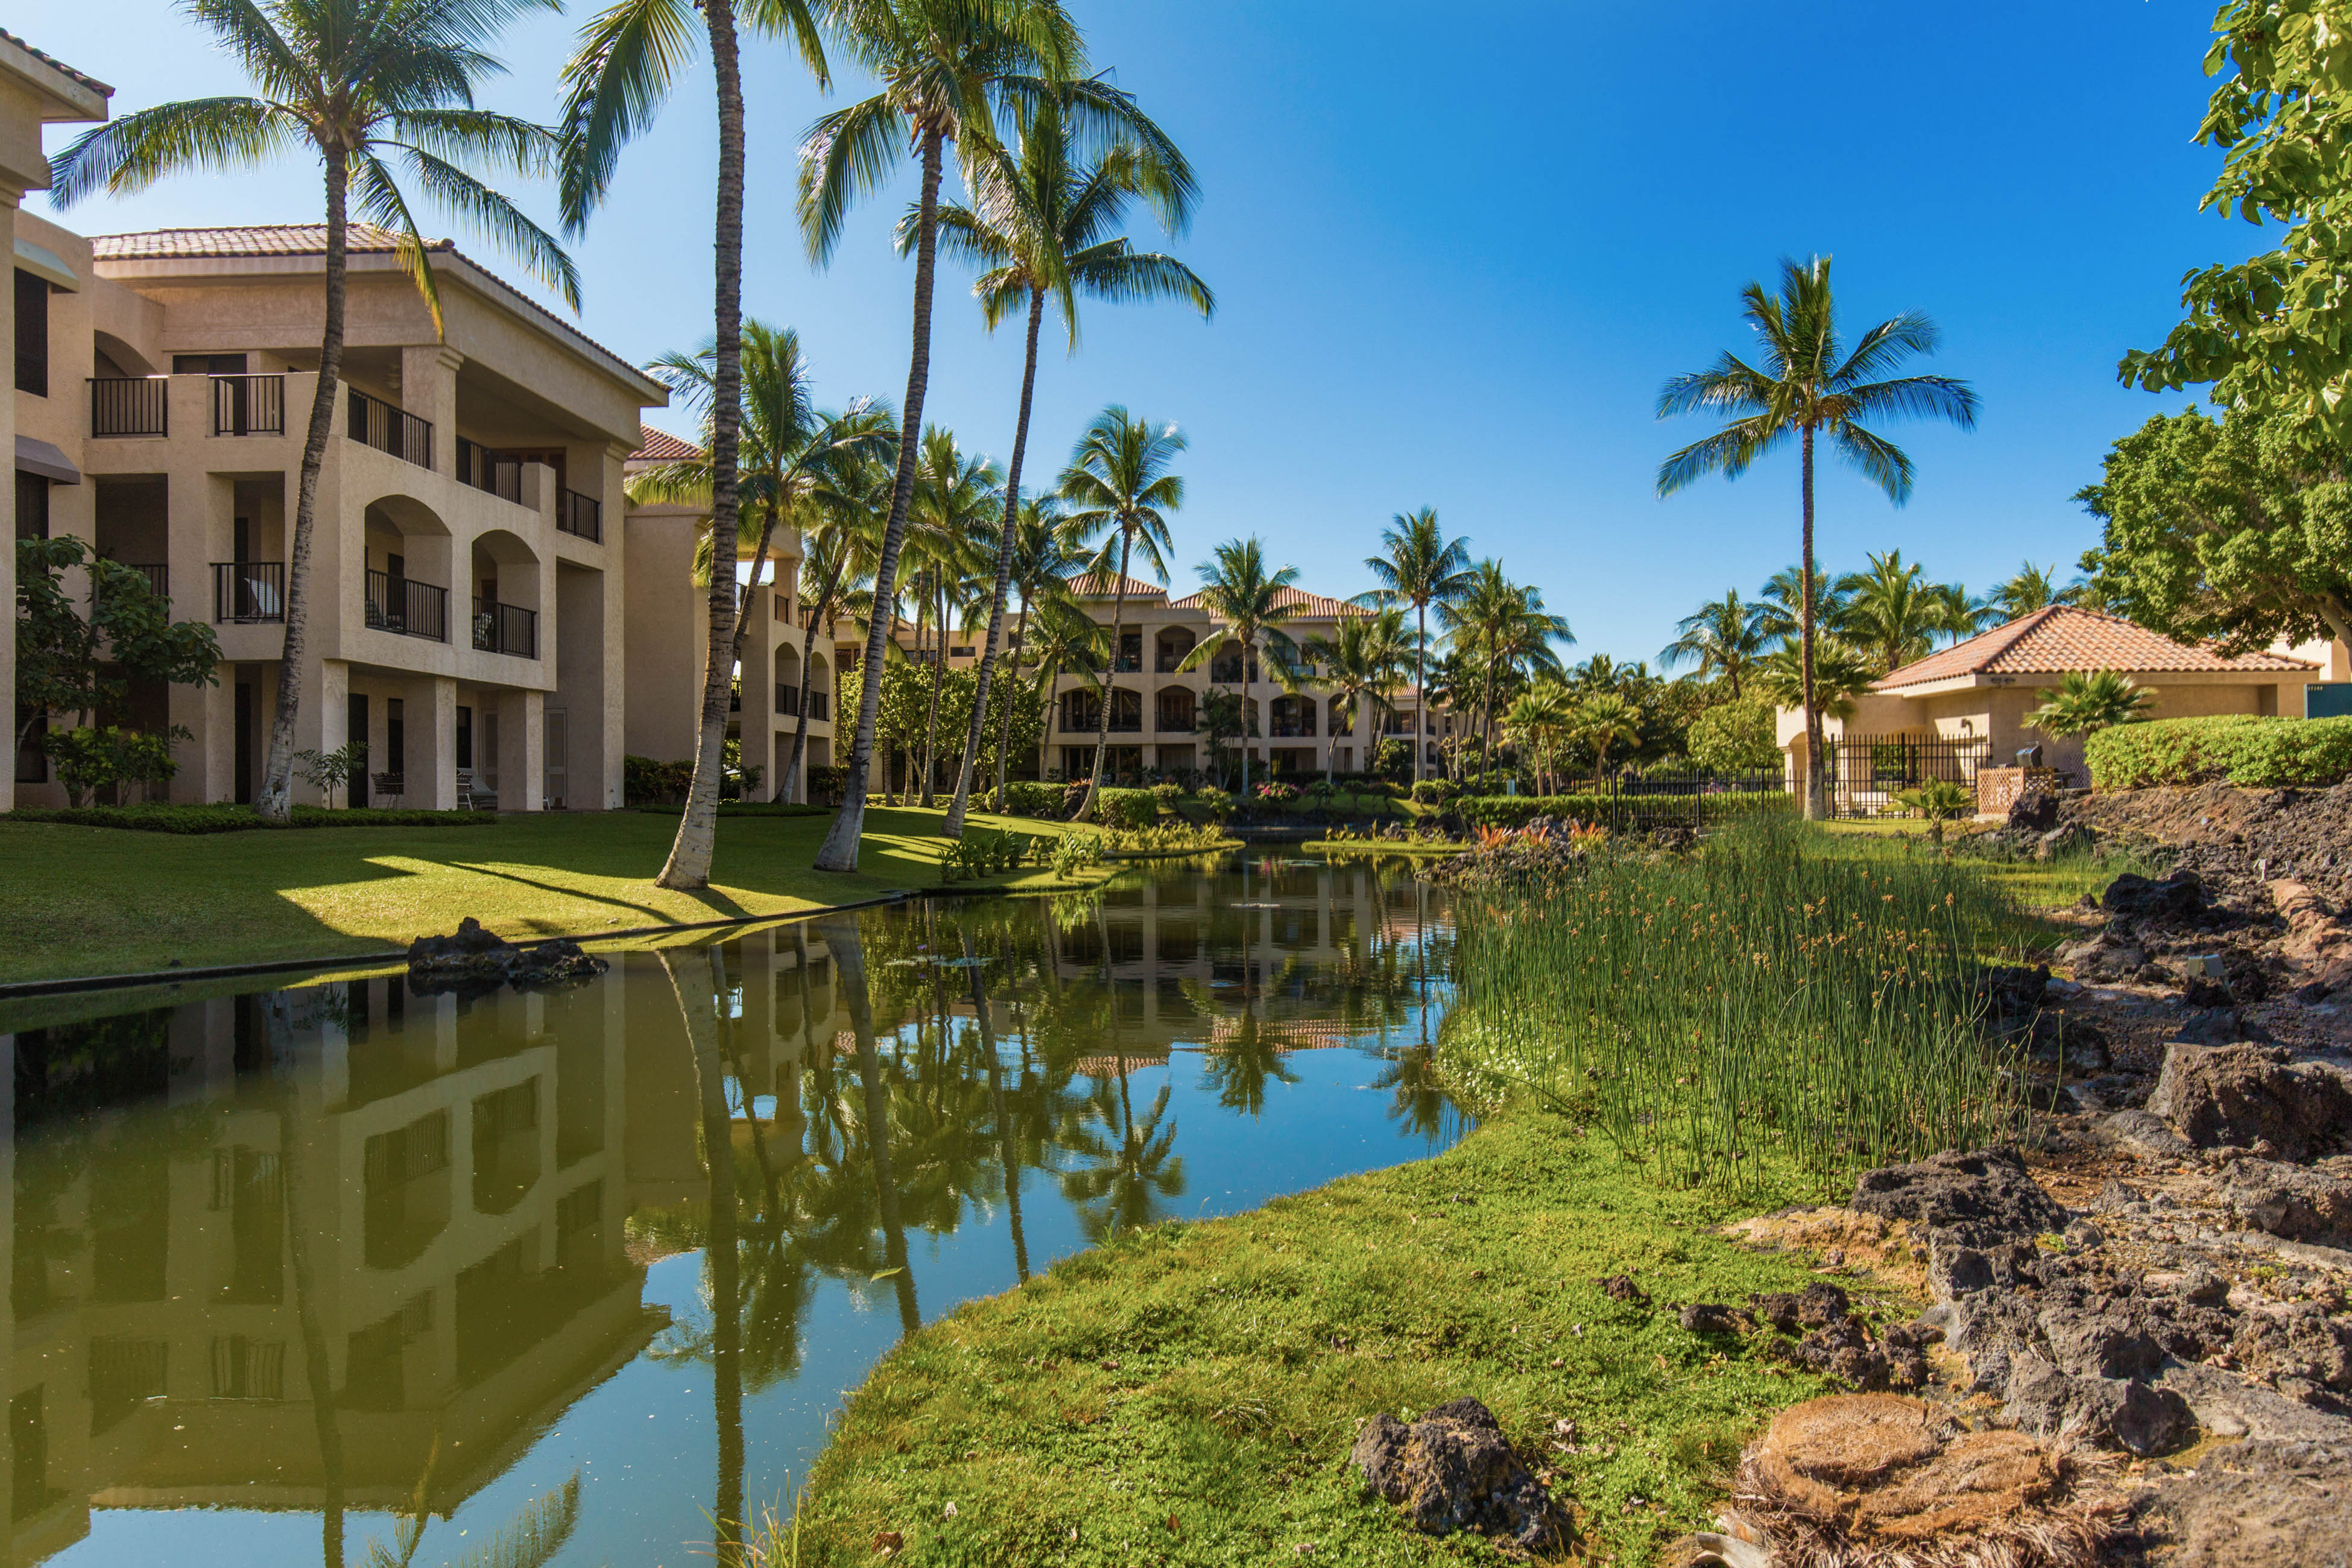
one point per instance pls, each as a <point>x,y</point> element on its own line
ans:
<point>2253,1097</point>
<point>1454,1469</point>
<point>474,959</point>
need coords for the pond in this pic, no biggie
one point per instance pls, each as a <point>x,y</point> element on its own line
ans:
<point>298,1272</point>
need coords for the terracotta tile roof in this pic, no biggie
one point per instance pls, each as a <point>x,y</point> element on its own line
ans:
<point>661,447</point>
<point>311,239</point>
<point>1313,606</point>
<point>91,82</point>
<point>2062,637</point>
<point>1105,586</point>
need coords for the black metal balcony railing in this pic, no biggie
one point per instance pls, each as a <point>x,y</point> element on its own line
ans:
<point>820,706</point>
<point>580,516</point>
<point>245,591</point>
<point>1173,722</point>
<point>372,422</point>
<point>787,700</point>
<point>248,405</point>
<point>159,578</point>
<point>505,628</point>
<point>129,406</point>
<point>408,607</point>
<point>1293,728</point>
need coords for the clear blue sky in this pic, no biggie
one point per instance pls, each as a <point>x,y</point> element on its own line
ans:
<point>1454,263</point>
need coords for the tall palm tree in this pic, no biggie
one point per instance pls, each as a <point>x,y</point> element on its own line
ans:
<point>1421,567</point>
<point>1723,636</point>
<point>1781,603</point>
<point>1505,627</point>
<point>1602,721</point>
<point>1043,226</point>
<point>628,58</point>
<point>1892,613</point>
<point>954,490</point>
<point>1043,557</point>
<point>363,84</point>
<point>948,70</point>
<point>1118,488</point>
<point>1066,638</point>
<point>1811,389</point>
<point>1369,658</point>
<point>837,556</point>
<point>1254,603</point>
<point>1539,719</point>
<point>2033,588</point>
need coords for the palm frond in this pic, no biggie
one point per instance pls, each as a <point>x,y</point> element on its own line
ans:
<point>382,204</point>
<point>845,155</point>
<point>505,224</point>
<point>212,135</point>
<point>629,57</point>
<point>1729,452</point>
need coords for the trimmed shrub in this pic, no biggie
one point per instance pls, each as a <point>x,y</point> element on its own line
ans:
<point>1118,809</point>
<point>184,819</point>
<point>1518,810</point>
<point>1168,795</point>
<point>1213,803</point>
<point>1026,797</point>
<point>2236,747</point>
<point>644,782</point>
<point>1435,792</point>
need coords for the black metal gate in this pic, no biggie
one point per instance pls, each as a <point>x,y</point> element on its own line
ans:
<point>1866,773</point>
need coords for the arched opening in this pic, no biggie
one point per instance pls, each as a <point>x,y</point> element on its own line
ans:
<point>409,560</point>
<point>1173,644</point>
<point>820,691</point>
<point>112,357</point>
<point>1293,716</point>
<point>1177,710</point>
<point>787,663</point>
<point>504,581</point>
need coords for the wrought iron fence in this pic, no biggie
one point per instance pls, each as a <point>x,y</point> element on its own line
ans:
<point>372,422</point>
<point>248,405</point>
<point>249,590</point>
<point>505,628</point>
<point>1865,774</point>
<point>408,607</point>
<point>580,516</point>
<point>129,406</point>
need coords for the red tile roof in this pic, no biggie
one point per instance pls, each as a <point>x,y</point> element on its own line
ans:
<point>2062,637</point>
<point>1313,606</point>
<point>1105,586</point>
<point>91,82</point>
<point>661,447</point>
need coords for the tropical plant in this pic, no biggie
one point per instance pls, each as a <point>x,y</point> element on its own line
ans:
<point>838,542</point>
<point>363,84</point>
<point>1733,737</point>
<point>1043,557</point>
<point>2085,703</point>
<point>328,772</point>
<point>947,521</point>
<point>1723,638</point>
<point>1781,599</point>
<point>1602,723</point>
<point>1254,606</point>
<point>1117,487</point>
<point>1938,800</point>
<point>1893,615</point>
<point>69,662</point>
<point>948,72</point>
<point>1811,389</point>
<point>1364,662</point>
<point>1503,629</point>
<point>1042,226</point>
<point>1840,674</point>
<point>1420,566</point>
<point>2033,588</point>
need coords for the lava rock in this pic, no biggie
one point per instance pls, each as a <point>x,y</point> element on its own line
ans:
<point>1816,1306</point>
<point>2242,1094</point>
<point>1621,1287</point>
<point>2263,1504</point>
<point>2135,897</point>
<point>472,957</point>
<point>2298,1341</point>
<point>2013,991</point>
<point>2289,1201</point>
<point>2123,1413</point>
<point>2035,811</point>
<point>1977,1200</point>
<point>1454,1469</point>
<point>1715,1317</point>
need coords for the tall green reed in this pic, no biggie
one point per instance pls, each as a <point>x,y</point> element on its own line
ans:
<point>1774,1000</point>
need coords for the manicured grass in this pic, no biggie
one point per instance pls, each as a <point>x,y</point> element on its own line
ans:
<point>97,900</point>
<point>1188,1393</point>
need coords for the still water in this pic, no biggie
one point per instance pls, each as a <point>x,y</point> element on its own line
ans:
<point>300,1273</point>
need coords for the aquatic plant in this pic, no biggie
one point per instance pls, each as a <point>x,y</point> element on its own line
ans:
<point>1766,999</point>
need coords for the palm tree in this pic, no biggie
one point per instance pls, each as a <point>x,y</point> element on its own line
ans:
<point>629,58</point>
<point>953,493</point>
<point>1537,721</point>
<point>1117,486</point>
<point>1723,636</point>
<point>363,84</point>
<point>1603,721</point>
<point>1254,603</point>
<point>1043,557</point>
<point>2033,588</point>
<point>1841,674</point>
<point>1810,388</point>
<point>837,556</point>
<point>947,69</point>
<point>1043,226</point>
<point>1505,627</point>
<point>1066,638</point>
<point>2085,704</point>
<point>1421,567</point>
<point>1892,613</point>
<point>1783,594</point>
<point>1365,661</point>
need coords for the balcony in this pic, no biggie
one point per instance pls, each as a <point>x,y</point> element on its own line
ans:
<point>372,422</point>
<point>788,702</point>
<point>246,593</point>
<point>580,516</point>
<point>129,406</point>
<point>407,607</point>
<point>820,706</point>
<point>159,578</point>
<point>248,405</point>
<point>505,628</point>
<point>1293,728</point>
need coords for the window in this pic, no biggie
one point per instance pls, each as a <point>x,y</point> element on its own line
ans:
<point>32,334</point>
<point>208,364</point>
<point>32,506</point>
<point>465,737</point>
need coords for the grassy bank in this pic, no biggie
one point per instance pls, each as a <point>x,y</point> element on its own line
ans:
<point>1188,1394</point>
<point>99,901</point>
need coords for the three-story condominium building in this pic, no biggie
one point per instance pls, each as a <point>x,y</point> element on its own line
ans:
<point>465,611</point>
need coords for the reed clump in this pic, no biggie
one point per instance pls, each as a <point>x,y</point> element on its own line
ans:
<point>1767,1005</point>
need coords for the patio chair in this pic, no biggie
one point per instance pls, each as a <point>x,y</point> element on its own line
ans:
<point>388,786</point>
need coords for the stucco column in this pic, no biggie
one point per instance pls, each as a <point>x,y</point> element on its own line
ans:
<point>429,709</point>
<point>597,749</point>
<point>428,389</point>
<point>522,769</point>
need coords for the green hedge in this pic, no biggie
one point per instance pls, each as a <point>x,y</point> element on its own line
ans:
<point>1126,807</point>
<point>240,819</point>
<point>1518,810</point>
<point>2236,747</point>
<point>1026,797</point>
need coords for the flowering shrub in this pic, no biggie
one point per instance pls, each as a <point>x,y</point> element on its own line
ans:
<point>1274,790</point>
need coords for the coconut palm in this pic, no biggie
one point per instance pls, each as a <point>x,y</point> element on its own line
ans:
<point>2084,704</point>
<point>1254,603</point>
<point>947,521</point>
<point>628,58</point>
<point>1043,226</point>
<point>1723,636</point>
<point>1783,594</point>
<point>1893,615</point>
<point>837,556</point>
<point>363,85</point>
<point>1504,626</point>
<point>1537,721</point>
<point>2033,588</point>
<point>1364,662</point>
<point>1043,557</point>
<point>1841,674</point>
<point>947,71</point>
<point>1601,722</point>
<point>1809,389</point>
<point>1118,488</point>
<point>1421,567</point>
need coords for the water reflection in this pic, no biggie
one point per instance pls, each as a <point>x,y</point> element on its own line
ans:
<point>390,1267</point>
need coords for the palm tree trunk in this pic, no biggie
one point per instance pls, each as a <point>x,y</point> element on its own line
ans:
<point>1816,787</point>
<point>1111,680</point>
<point>273,801</point>
<point>849,959</point>
<point>954,828</point>
<point>1420,680</point>
<point>839,852</point>
<point>1012,678</point>
<point>791,779</point>
<point>1249,652</point>
<point>938,674</point>
<point>696,989</point>
<point>698,826</point>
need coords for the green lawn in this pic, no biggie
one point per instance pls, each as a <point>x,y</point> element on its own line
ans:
<point>1188,1394</point>
<point>98,900</point>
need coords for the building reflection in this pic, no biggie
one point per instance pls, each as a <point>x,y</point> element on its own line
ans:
<point>308,1249</point>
